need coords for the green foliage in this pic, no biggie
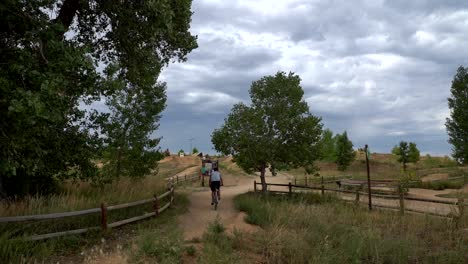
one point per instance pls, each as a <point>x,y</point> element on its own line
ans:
<point>181,151</point>
<point>413,152</point>
<point>406,153</point>
<point>328,146</point>
<point>439,184</point>
<point>457,124</point>
<point>46,74</point>
<point>344,153</point>
<point>135,115</point>
<point>277,129</point>
<point>191,250</point>
<point>218,247</point>
<point>195,150</point>
<point>432,162</point>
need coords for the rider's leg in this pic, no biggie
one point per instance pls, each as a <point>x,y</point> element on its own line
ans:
<point>219,193</point>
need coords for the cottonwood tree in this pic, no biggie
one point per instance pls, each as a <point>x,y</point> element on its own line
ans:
<point>344,152</point>
<point>457,124</point>
<point>406,153</point>
<point>276,129</point>
<point>49,54</point>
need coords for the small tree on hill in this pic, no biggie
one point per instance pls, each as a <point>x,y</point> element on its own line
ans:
<point>344,153</point>
<point>181,151</point>
<point>328,146</point>
<point>457,124</point>
<point>194,150</point>
<point>413,152</point>
<point>404,154</point>
<point>276,129</point>
<point>167,153</point>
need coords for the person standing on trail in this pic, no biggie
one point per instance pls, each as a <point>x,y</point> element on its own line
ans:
<point>216,181</point>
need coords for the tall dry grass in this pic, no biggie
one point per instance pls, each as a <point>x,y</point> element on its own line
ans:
<point>306,229</point>
<point>82,195</point>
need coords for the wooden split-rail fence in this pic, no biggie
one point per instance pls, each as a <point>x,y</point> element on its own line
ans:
<point>104,209</point>
<point>397,196</point>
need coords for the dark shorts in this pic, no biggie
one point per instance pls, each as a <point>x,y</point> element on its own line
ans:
<point>215,185</point>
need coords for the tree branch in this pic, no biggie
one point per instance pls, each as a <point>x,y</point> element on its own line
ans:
<point>67,13</point>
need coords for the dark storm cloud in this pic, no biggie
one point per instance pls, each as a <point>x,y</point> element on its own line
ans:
<point>379,69</point>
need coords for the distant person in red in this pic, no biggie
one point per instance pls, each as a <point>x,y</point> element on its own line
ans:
<point>216,181</point>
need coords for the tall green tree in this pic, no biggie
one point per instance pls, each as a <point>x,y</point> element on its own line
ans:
<point>50,51</point>
<point>457,124</point>
<point>135,115</point>
<point>328,146</point>
<point>344,153</point>
<point>406,153</point>
<point>277,129</point>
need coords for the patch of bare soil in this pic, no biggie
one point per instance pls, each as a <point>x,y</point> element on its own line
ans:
<point>435,177</point>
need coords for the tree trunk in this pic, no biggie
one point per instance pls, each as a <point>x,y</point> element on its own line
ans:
<point>67,13</point>
<point>404,166</point>
<point>262,178</point>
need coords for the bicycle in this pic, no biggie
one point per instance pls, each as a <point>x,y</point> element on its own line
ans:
<point>215,198</point>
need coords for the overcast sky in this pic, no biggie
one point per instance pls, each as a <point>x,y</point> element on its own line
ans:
<point>380,70</point>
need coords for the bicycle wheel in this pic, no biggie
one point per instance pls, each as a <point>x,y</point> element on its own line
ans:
<point>216,201</point>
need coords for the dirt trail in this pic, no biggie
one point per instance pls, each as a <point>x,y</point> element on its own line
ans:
<point>200,212</point>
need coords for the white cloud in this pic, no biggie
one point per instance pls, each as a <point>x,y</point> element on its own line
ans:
<point>379,69</point>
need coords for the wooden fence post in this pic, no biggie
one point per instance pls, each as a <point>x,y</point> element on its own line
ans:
<point>305,180</point>
<point>402,200</point>
<point>290,188</point>
<point>103,216</point>
<point>172,195</point>
<point>357,197</point>
<point>323,187</point>
<point>295,181</point>
<point>156,204</point>
<point>255,186</point>
<point>177,178</point>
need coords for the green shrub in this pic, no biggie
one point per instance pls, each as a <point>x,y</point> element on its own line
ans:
<point>191,250</point>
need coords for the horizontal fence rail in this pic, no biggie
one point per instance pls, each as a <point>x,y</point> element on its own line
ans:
<point>172,181</point>
<point>395,196</point>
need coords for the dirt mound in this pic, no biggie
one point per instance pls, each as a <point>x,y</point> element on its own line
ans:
<point>180,162</point>
<point>435,177</point>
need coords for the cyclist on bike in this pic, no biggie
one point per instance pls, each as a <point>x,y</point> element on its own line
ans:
<point>216,181</point>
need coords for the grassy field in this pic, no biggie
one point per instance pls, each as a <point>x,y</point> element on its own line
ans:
<point>156,240</point>
<point>312,229</point>
<point>78,196</point>
<point>385,166</point>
